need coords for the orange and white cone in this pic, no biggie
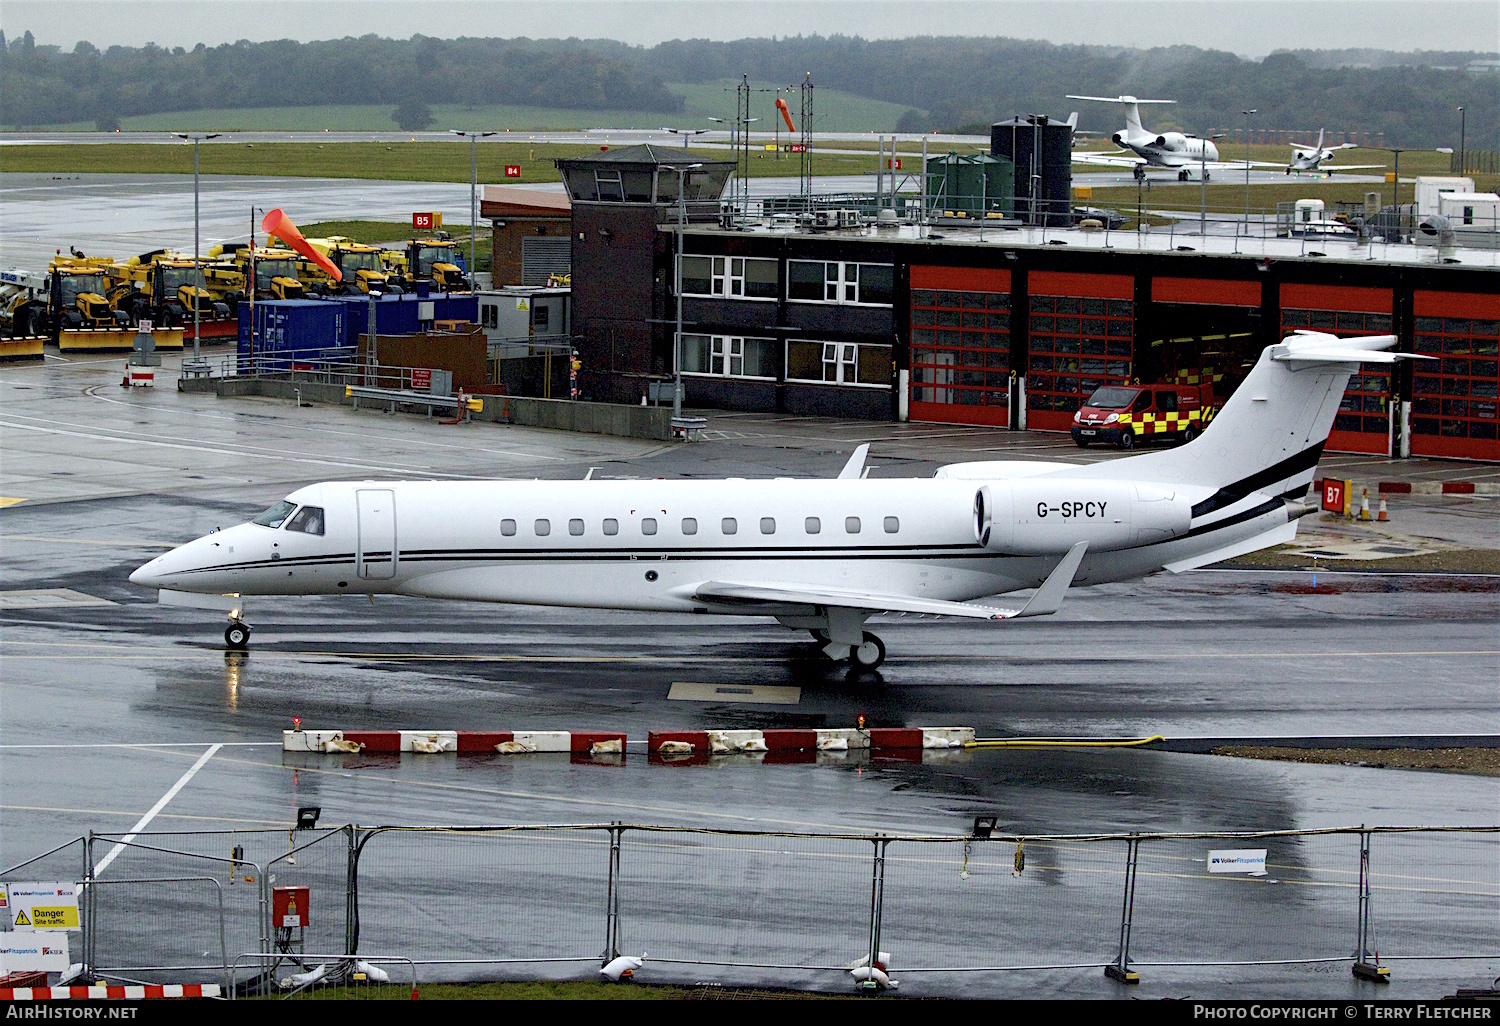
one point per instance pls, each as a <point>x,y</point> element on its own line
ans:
<point>1381,516</point>
<point>1364,504</point>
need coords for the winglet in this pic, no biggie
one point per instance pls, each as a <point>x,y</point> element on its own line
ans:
<point>856,463</point>
<point>1049,597</point>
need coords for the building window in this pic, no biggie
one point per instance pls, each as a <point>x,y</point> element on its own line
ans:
<point>611,526</point>
<point>839,363</point>
<point>729,277</point>
<point>648,525</point>
<point>767,525</point>
<point>507,527</point>
<point>851,525</point>
<point>1366,403</point>
<point>1457,395</point>
<point>729,356</point>
<point>1077,344</point>
<point>834,281</point>
<point>960,347</point>
<point>813,525</point>
<point>543,528</point>
<point>729,525</point>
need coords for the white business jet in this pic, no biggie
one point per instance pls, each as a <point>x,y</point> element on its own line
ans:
<point>818,555</point>
<point>1312,160</point>
<point>1174,151</point>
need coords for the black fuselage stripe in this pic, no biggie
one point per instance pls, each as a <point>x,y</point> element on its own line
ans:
<point>1232,493</point>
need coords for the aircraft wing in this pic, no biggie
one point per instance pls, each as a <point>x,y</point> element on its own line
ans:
<point>1353,167</point>
<point>1047,599</point>
<point>1106,159</point>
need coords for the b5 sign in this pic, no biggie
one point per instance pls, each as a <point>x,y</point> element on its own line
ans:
<point>512,170</point>
<point>426,221</point>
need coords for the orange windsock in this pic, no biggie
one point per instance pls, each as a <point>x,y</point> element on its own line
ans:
<point>278,224</point>
<point>786,114</point>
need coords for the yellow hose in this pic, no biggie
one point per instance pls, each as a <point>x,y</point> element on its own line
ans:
<point>1022,742</point>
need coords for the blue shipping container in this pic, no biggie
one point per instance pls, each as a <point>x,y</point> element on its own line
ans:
<point>397,315</point>
<point>295,328</point>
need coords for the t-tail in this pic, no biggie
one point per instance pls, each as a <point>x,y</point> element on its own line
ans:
<point>1268,436</point>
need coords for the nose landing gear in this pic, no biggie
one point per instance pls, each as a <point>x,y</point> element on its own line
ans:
<point>237,636</point>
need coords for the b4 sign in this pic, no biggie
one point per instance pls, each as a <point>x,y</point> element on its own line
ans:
<point>512,170</point>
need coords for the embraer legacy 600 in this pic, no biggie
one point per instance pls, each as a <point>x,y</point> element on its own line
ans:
<point>818,555</point>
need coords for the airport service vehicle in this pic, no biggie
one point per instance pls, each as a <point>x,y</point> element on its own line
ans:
<point>1125,414</point>
<point>163,287</point>
<point>361,266</point>
<point>1312,159</point>
<point>1177,151</point>
<point>276,270</point>
<point>436,261</point>
<point>76,292</point>
<point>817,555</point>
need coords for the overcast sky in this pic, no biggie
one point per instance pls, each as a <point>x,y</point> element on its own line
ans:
<point>1248,27</point>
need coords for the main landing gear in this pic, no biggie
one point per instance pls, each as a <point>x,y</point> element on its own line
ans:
<point>867,655</point>
<point>237,636</point>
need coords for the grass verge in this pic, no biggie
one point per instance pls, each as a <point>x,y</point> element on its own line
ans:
<point>1480,761</point>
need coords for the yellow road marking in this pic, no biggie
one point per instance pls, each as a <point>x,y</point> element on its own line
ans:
<point>6,500</point>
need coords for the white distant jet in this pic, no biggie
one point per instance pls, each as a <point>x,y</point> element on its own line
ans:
<point>1312,160</point>
<point>817,555</point>
<point>1175,151</point>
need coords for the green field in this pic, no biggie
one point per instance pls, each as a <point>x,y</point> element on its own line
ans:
<point>836,112</point>
<point>412,161</point>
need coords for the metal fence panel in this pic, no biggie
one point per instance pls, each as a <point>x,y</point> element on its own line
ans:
<point>173,928</point>
<point>1435,894</point>
<point>475,896</point>
<point>800,904</point>
<point>322,866</point>
<point>945,911</point>
<point>1305,907</point>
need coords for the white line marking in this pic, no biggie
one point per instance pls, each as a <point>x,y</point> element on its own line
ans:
<point>145,820</point>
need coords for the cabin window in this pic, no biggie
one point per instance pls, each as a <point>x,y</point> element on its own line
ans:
<point>689,525</point>
<point>274,516</point>
<point>648,525</point>
<point>507,527</point>
<point>851,525</point>
<point>892,525</point>
<point>813,525</point>
<point>543,528</point>
<point>767,525</point>
<point>575,527</point>
<point>729,525</point>
<point>309,520</point>
<point>611,526</point>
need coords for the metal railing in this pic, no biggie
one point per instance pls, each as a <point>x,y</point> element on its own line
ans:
<point>795,909</point>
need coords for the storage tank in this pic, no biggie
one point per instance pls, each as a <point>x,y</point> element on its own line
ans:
<point>957,184</point>
<point>1041,149</point>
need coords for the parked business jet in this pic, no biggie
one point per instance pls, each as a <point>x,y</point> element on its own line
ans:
<point>1312,160</point>
<point>818,555</point>
<point>1170,150</point>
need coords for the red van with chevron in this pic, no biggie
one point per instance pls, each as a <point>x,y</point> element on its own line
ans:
<point>1125,415</point>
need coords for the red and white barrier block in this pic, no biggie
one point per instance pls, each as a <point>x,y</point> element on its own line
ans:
<point>437,742</point>
<point>110,993</point>
<point>703,743</point>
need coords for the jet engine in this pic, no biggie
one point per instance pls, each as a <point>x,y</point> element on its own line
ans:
<point>1049,516</point>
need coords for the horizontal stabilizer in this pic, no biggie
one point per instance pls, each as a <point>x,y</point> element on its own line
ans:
<point>1313,348</point>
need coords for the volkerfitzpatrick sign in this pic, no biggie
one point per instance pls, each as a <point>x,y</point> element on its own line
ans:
<point>42,952</point>
<point>1251,861</point>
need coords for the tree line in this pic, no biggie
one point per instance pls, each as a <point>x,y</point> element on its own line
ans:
<point>947,83</point>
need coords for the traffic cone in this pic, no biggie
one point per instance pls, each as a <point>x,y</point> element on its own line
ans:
<point>1364,504</point>
<point>1381,516</point>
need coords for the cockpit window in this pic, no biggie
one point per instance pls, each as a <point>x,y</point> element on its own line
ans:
<point>308,520</point>
<point>274,516</point>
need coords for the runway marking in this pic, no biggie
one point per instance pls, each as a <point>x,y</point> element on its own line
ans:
<point>122,812</point>
<point>46,598</point>
<point>7,501</point>
<point>738,694</point>
<point>145,820</point>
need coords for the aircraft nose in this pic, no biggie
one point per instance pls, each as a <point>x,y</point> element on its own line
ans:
<point>148,576</point>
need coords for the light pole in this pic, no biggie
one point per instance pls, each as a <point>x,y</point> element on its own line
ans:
<point>474,138</point>
<point>1247,113</point>
<point>1462,124</point>
<point>677,336</point>
<point>688,133</point>
<point>197,267</point>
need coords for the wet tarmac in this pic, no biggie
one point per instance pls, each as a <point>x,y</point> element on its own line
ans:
<point>108,703</point>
